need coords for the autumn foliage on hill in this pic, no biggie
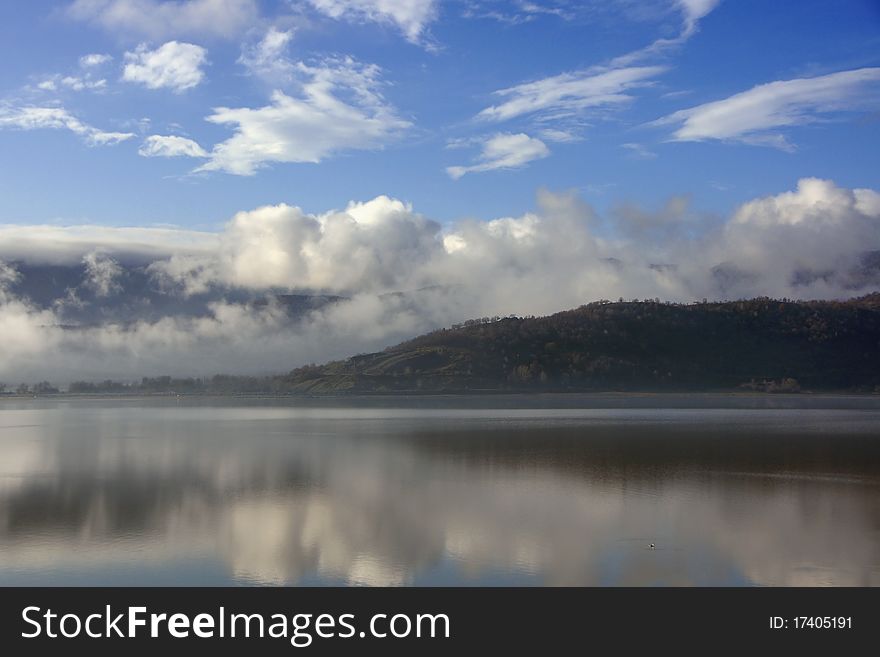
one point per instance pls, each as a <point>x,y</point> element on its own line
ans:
<point>758,344</point>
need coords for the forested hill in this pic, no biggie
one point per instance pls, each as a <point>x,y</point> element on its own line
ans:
<point>759,344</point>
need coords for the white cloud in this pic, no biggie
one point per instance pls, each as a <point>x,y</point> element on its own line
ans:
<point>557,102</point>
<point>368,246</point>
<point>806,243</point>
<point>268,58</point>
<point>102,273</point>
<point>174,65</point>
<point>756,115</point>
<point>504,151</point>
<point>802,244</point>
<point>524,11</point>
<point>65,245</point>
<point>692,11</point>
<point>72,82</point>
<point>8,275</point>
<point>816,202</point>
<point>339,107</point>
<point>95,59</point>
<point>84,79</point>
<point>162,19</point>
<point>77,83</point>
<point>570,93</point>
<point>560,136</point>
<point>57,118</point>
<point>170,146</point>
<point>410,16</point>
<point>639,151</point>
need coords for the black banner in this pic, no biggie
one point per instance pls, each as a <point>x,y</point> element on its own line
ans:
<point>432,620</point>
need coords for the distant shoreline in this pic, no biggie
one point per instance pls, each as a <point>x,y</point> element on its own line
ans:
<point>606,400</point>
<point>451,393</point>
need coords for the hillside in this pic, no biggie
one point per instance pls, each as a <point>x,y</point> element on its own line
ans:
<point>759,344</point>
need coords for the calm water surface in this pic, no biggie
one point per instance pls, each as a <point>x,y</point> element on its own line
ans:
<point>549,490</point>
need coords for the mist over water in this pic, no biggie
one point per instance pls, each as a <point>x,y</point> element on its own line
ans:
<point>570,490</point>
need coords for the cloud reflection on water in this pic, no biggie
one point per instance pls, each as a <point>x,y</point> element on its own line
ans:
<point>396,497</point>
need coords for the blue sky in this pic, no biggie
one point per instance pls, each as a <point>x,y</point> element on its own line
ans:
<point>340,100</point>
<point>179,159</point>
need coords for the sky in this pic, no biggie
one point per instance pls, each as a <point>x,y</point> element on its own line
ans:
<point>152,112</point>
<point>178,161</point>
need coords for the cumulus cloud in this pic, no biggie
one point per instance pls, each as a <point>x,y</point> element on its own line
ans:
<point>79,83</point>
<point>161,19</point>
<point>756,116</point>
<point>57,118</point>
<point>72,82</point>
<point>410,16</point>
<point>85,78</point>
<point>94,59</point>
<point>504,151</point>
<point>570,93</point>
<point>401,274</point>
<point>369,247</point>
<point>170,146</point>
<point>173,65</point>
<point>809,241</point>
<point>339,107</point>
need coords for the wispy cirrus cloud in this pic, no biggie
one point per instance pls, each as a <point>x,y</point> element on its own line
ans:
<point>596,86</point>
<point>558,103</point>
<point>759,115</point>
<point>503,151</point>
<point>268,57</point>
<point>339,107</point>
<point>570,93</point>
<point>520,11</point>
<point>162,19</point>
<point>639,151</point>
<point>410,16</point>
<point>57,118</point>
<point>692,12</point>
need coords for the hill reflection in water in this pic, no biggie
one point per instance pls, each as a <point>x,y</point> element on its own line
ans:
<point>415,493</point>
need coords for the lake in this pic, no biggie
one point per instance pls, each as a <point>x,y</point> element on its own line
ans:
<point>552,490</point>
